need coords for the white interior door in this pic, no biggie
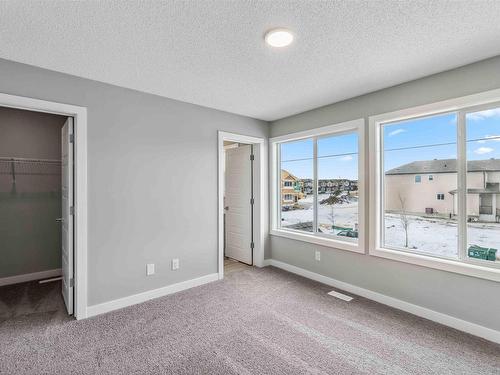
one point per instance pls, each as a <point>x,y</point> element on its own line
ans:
<point>67,214</point>
<point>237,204</point>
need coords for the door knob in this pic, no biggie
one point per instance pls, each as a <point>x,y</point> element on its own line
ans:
<point>59,220</point>
<point>226,208</point>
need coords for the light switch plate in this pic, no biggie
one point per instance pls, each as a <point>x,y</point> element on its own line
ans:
<point>317,255</point>
<point>150,269</point>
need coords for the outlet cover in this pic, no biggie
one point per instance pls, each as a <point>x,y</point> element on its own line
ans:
<point>175,264</point>
<point>150,269</point>
<point>317,255</point>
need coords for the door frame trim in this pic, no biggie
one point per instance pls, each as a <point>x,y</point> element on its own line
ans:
<point>79,115</point>
<point>260,183</point>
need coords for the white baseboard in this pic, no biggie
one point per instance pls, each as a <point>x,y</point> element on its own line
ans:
<point>447,320</point>
<point>150,294</point>
<point>30,277</point>
<point>266,262</point>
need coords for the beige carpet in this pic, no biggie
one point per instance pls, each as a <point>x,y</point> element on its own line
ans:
<point>255,321</point>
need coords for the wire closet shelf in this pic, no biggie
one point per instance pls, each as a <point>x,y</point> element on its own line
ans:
<point>24,166</point>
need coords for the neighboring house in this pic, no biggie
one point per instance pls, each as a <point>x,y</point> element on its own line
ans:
<point>430,186</point>
<point>291,189</point>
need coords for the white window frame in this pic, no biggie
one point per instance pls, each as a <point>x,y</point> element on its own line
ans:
<point>464,265</point>
<point>419,179</point>
<point>357,126</point>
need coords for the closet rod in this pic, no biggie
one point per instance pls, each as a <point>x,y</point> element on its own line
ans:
<point>25,160</point>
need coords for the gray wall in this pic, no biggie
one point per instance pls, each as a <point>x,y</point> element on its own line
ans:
<point>464,297</point>
<point>30,238</point>
<point>152,174</point>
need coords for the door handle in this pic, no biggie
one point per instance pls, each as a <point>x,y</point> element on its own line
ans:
<point>226,208</point>
<point>59,220</point>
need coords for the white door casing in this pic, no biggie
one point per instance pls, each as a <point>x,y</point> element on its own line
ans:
<point>237,204</point>
<point>67,215</point>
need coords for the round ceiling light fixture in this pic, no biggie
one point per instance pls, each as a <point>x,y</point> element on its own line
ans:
<point>279,37</point>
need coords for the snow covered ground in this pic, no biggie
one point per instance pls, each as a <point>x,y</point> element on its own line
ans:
<point>344,215</point>
<point>431,235</point>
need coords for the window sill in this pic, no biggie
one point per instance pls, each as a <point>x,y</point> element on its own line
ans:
<point>318,240</point>
<point>468,269</point>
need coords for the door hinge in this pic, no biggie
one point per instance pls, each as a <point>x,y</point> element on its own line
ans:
<point>252,201</point>
<point>72,210</point>
<point>252,245</point>
<point>252,157</point>
<point>71,138</point>
<point>71,283</point>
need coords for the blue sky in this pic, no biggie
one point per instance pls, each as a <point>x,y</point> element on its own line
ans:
<point>337,157</point>
<point>419,139</point>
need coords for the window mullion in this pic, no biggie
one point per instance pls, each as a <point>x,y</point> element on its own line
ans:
<point>279,185</point>
<point>462,186</point>
<point>315,185</point>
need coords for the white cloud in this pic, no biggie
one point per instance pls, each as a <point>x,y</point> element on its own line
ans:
<point>489,113</point>
<point>495,138</point>
<point>396,132</point>
<point>346,158</point>
<point>487,138</point>
<point>483,150</point>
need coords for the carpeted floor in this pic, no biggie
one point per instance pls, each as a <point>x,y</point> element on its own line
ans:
<point>257,321</point>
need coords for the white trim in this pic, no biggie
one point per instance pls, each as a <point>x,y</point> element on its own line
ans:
<point>134,299</point>
<point>80,174</point>
<point>318,240</point>
<point>260,196</point>
<point>466,266</point>
<point>448,265</point>
<point>30,277</point>
<point>447,320</point>
<point>357,126</point>
<point>317,132</point>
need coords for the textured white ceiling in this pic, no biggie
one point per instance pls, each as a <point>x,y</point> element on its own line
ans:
<point>212,52</point>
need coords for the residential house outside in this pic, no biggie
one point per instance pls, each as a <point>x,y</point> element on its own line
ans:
<point>430,187</point>
<point>291,189</point>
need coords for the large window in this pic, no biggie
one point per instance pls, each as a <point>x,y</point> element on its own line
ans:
<point>414,220</point>
<point>436,187</point>
<point>318,191</point>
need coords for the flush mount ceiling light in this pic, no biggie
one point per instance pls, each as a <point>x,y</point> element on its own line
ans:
<point>279,37</point>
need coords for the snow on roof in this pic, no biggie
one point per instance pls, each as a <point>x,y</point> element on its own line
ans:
<point>285,175</point>
<point>444,166</point>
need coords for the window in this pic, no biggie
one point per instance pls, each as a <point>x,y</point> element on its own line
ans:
<point>483,184</point>
<point>296,165</point>
<point>324,166</point>
<point>410,147</point>
<point>456,144</point>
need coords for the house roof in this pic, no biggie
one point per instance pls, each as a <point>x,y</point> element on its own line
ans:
<point>444,166</point>
<point>285,175</point>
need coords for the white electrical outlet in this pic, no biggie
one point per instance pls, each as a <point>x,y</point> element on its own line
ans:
<point>317,255</point>
<point>175,264</point>
<point>150,269</point>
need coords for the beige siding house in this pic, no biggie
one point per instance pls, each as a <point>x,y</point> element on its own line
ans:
<point>291,189</point>
<point>430,187</point>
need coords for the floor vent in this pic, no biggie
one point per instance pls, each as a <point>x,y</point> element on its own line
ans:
<point>340,296</point>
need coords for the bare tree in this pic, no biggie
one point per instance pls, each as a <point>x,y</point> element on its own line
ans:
<point>403,217</point>
<point>335,198</point>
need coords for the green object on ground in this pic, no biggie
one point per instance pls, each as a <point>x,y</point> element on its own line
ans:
<point>335,227</point>
<point>484,253</point>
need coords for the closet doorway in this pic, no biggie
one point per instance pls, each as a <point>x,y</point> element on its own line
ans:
<point>36,213</point>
